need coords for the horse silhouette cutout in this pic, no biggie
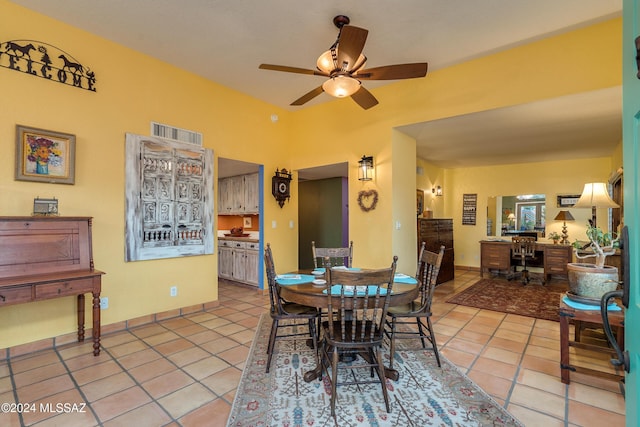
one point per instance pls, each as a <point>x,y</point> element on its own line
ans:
<point>73,67</point>
<point>16,48</point>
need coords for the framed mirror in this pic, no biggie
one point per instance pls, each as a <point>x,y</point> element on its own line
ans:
<point>523,214</point>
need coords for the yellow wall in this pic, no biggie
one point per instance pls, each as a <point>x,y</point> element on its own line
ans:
<point>431,177</point>
<point>340,131</point>
<point>549,178</point>
<point>134,89</point>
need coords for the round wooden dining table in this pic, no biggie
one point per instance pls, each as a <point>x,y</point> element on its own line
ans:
<point>312,295</point>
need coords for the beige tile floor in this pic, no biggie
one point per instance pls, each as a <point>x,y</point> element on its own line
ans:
<point>184,371</point>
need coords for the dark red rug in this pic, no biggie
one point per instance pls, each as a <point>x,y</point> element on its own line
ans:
<point>532,300</point>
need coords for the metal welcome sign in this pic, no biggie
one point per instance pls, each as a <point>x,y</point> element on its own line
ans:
<point>46,61</point>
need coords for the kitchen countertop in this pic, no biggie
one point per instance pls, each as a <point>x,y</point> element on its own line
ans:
<point>240,239</point>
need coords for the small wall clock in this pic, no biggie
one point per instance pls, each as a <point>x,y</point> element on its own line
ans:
<point>281,186</point>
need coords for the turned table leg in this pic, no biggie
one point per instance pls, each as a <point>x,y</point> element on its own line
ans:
<point>564,349</point>
<point>80,317</point>
<point>96,323</point>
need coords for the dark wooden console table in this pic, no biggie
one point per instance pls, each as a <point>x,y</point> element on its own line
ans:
<point>496,255</point>
<point>45,257</point>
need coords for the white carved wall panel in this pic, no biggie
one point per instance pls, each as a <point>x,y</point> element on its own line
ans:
<point>169,199</point>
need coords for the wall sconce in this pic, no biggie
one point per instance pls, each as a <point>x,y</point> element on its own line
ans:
<point>437,190</point>
<point>365,168</point>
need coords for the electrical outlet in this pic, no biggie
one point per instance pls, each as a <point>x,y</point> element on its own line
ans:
<point>104,303</point>
<point>173,291</point>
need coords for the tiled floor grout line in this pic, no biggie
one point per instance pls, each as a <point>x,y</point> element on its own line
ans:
<point>514,381</point>
<point>15,389</point>
<point>135,381</point>
<point>165,357</point>
<point>76,385</point>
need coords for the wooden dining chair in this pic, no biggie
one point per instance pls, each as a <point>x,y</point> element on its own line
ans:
<point>417,312</point>
<point>420,252</point>
<point>337,256</point>
<point>523,249</point>
<point>294,320</point>
<point>355,325</point>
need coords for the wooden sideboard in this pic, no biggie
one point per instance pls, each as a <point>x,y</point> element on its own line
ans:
<point>50,257</point>
<point>435,233</point>
<point>496,255</point>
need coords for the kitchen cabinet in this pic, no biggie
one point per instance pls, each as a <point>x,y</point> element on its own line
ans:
<point>225,193</point>
<point>238,195</point>
<point>252,264</point>
<point>238,261</point>
<point>435,233</point>
<point>225,261</point>
<point>251,193</point>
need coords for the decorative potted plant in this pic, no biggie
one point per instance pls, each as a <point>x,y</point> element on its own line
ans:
<point>555,237</point>
<point>591,281</point>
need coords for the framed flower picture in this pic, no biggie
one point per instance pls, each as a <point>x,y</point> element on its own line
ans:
<point>45,156</point>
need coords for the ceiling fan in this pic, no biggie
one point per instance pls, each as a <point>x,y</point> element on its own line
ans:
<point>343,65</point>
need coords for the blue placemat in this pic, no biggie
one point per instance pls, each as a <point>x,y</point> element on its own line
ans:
<point>371,290</point>
<point>403,278</point>
<point>580,306</point>
<point>294,279</point>
<point>322,269</point>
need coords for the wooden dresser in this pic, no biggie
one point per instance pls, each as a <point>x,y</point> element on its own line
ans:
<point>435,233</point>
<point>496,255</point>
<point>49,257</point>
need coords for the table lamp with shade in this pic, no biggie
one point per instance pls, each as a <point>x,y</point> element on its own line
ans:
<point>595,195</point>
<point>511,217</point>
<point>564,216</point>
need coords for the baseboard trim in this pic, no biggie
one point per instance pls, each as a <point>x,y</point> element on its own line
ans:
<point>61,340</point>
<point>467,268</point>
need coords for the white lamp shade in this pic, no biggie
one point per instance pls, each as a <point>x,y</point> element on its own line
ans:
<point>595,195</point>
<point>341,86</point>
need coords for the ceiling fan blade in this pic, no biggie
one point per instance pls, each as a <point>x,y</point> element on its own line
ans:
<point>308,96</point>
<point>393,72</point>
<point>292,70</point>
<point>364,98</point>
<point>350,45</point>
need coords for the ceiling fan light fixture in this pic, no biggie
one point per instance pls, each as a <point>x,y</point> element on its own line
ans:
<point>341,86</point>
<point>325,62</point>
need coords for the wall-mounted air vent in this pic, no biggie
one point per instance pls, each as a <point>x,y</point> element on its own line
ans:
<point>177,134</point>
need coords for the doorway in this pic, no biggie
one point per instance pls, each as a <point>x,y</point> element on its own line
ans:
<point>323,209</point>
<point>240,220</point>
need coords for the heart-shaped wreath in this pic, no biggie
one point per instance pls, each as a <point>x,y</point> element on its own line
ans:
<point>370,197</point>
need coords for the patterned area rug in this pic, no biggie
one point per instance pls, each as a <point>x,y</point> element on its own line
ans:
<point>532,300</point>
<point>425,395</point>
